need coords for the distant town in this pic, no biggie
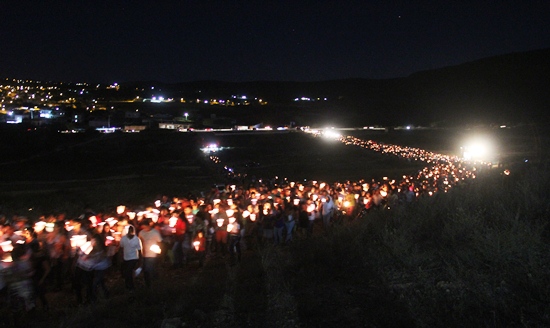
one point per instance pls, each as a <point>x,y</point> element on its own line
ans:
<point>80,107</point>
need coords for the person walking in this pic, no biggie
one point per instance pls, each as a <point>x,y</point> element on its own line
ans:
<point>150,240</point>
<point>131,251</point>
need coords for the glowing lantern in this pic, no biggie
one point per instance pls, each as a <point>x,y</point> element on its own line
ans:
<point>68,226</point>
<point>109,240</point>
<point>93,219</point>
<point>296,201</point>
<point>78,240</point>
<point>252,217</point>
<point>172,221</point>
<point>132,215</point>
<point>311,208</point>
<point>229,201</point>
<point>246,214</point>
<point>158,203</point>
<point>120,209</point>
<point>383,193</point>
<point>229,212</point>
<point>87,247</point>
<point>220,222</point>
<point>6,246</point>
<point>50,226</point>
<point>196,244</point>
<point>155,249</point>
<point>111,221</point>
<point>229,227</point>
<point>39,226</point>
<point>216,201</point>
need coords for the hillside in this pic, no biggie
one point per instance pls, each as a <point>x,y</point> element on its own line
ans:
<point>510,88</point>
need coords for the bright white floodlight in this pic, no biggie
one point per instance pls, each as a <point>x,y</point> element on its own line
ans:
<point>331,134</point>
<point>477,149</point>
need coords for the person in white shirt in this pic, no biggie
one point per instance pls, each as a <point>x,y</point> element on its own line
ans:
<point>131,247</point>
<point>327,209</point>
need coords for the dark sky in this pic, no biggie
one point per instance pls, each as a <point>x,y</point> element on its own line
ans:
<point>176,41</point>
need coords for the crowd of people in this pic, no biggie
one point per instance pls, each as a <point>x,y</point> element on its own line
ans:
<point>45,254</point>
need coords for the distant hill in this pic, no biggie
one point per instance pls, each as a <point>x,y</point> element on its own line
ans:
<point>506,89</point>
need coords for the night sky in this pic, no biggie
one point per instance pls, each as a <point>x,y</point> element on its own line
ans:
<point>178,41</point>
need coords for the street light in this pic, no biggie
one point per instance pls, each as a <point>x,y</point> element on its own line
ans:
<point>186,115</point>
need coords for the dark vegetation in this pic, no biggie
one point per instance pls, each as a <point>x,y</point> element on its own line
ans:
<point>475,257</point>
